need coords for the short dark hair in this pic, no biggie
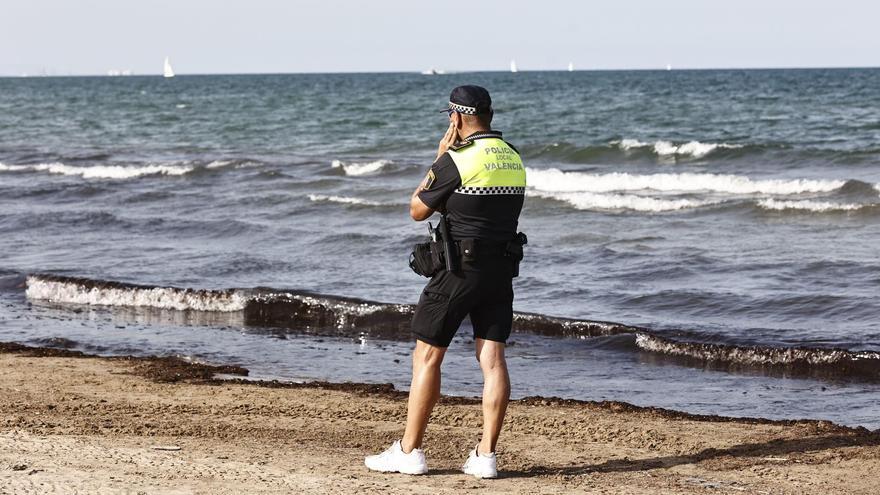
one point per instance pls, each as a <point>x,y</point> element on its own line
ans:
<point>483,119</point>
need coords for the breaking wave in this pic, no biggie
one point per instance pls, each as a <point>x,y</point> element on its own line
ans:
<point>344,316</point>
<point>82,291</point>
<point>627,150</point>
<point>600,201</point>
<point>117,172</point>
<point>346,200</point>
<point>693,149</point>
<point>844,362</point>
<point>807,205</point>
<point>358,169</point>
<point>556,180</point>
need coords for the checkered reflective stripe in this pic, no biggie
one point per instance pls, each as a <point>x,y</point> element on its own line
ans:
<point>462,108</point>
<point>478,191</point>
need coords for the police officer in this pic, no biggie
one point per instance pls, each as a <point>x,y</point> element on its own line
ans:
<point>478,181</point>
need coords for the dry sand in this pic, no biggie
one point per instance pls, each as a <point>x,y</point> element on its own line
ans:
<point>73,424</point>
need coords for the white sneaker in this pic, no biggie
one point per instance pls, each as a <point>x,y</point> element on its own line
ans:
<point>394,460</point>
<point>481,465</point>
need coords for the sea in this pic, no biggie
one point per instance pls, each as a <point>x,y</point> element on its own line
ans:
<point>704,241</point>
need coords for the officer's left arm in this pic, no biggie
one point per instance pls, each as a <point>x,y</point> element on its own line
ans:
<point>432,193</point>
<point>418,210</point>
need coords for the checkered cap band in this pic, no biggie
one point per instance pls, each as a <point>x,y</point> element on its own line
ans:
<point>462,109</point>
<point>479,191</point>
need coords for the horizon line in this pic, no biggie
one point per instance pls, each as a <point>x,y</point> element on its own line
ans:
<point>445,72</point>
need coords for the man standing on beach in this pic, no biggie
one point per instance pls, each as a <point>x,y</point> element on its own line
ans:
<point>478,181</point>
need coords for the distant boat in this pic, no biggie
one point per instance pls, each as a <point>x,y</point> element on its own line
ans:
<point>432,72</point>
<point>168,72</point>
<point>668,67</point>
<point>571,66</point>
<point>513,66</point>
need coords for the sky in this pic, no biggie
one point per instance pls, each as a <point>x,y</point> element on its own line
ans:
<point>60,37</point>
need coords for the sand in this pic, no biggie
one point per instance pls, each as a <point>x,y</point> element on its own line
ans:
<point>75,424</point>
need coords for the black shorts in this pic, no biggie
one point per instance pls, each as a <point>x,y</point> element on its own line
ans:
<point>486,295</point>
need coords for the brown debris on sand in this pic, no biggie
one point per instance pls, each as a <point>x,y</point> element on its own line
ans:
<point>78,423</point>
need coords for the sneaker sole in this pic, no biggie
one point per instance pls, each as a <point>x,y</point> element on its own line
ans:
<point>413,472</point>
<point>482,475</point>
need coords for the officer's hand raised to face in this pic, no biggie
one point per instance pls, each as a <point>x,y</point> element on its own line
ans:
<point>448,140</point>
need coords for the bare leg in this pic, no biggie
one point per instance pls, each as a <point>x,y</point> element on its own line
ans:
<point>496,391</point>
<point>423,393</point>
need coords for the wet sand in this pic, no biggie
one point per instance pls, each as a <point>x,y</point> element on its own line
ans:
<point>72,423</point>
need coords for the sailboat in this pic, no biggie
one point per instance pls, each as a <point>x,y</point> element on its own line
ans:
<point>168,72</point>
<point>513,66</point>
<point>571,66</point>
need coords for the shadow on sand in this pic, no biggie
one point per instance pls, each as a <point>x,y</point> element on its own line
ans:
<point>772,448</point>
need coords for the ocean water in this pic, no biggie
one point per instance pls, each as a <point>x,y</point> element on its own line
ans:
<point>727,221</point>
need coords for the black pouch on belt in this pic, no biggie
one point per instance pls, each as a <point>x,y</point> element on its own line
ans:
<point>421,260</point>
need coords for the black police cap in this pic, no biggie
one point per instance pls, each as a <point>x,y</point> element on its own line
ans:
<point>470,100</point>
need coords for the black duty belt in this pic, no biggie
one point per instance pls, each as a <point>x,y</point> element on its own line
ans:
<point>479,249</point>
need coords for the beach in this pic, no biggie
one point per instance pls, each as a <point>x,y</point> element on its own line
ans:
<point>71,423</point>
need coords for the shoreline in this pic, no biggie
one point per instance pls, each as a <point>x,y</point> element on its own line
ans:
<point>174,369</point>
<point>72,421</point>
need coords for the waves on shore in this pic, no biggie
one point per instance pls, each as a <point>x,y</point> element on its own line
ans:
<point>120,172</point>
<point>557,180</point>
<point>681,151</point>
<point>358,169</point>
<point>669,192</point>
<point>307,312</point>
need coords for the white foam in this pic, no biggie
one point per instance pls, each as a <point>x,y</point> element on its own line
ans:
<point>695,149</point>
<point>807,205</point>
<point>356,169</point>
<point>747,355</point>
<point>604,201</point>
<point>345,200</point>
<point>628,144</point>
<point>158,297</point>
<point>555,180</point>
<point>100,171</point>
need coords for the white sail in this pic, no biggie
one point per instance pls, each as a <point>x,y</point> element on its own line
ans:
<point>168,72</point>
<point>571,66</point>
<point>513,66</point>
<point>668,67</point>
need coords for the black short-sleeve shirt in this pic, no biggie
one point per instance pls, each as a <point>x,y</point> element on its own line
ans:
<point>487,217</point>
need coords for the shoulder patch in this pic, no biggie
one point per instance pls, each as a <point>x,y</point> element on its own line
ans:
<point>461,145</point>
<point>429,180</point>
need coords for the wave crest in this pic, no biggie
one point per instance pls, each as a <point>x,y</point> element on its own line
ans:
<point>100,171</point>
<point>600,201</point>
<point>558,181</point>
<point>358,169</point>
<point>120,172</point>
<point>807,205</point>
<point>69,290</point>
<point>345,200</point>
<point>694,149</point>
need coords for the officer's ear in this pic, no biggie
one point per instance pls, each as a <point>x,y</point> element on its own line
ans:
<point>456,120</point>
